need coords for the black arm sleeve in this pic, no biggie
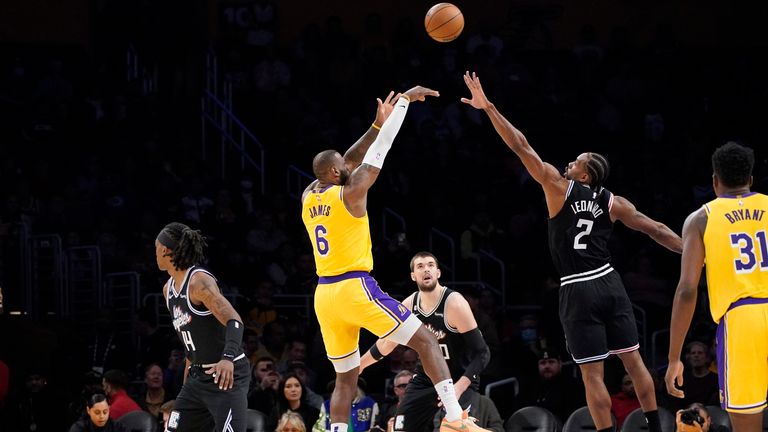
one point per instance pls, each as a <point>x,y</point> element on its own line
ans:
<point>233,339</point>
<point>481,355</point>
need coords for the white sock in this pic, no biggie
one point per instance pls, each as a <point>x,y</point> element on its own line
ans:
<point>338,427</point>
<point>448,396</point>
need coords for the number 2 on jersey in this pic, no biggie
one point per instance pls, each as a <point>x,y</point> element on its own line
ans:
<point>587,225</point>
<point>321,243</point>
<point>747,259</point>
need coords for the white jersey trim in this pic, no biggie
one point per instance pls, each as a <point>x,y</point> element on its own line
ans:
<point>587,278</point>
<point>186,284</point>
<point>586,273</point>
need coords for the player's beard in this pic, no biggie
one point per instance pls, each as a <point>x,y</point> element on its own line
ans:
<point>429,286</point>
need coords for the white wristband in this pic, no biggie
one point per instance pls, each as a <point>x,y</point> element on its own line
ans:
<point>378,150</point>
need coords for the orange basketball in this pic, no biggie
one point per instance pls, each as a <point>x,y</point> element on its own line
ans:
<point>444,22</point>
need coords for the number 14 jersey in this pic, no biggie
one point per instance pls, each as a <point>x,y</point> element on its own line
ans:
<point>340,242</point>
<point>579,233</point>
<point>736,250</point>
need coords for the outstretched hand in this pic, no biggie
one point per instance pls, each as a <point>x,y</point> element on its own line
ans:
<point>420,93</point>
<point>384,109</point>
<point>479,100</point>
<point>674,376</point>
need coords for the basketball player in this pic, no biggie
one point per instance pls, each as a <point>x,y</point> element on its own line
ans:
<point>217,373</point>
<point>449,318</point>
<point>595,311</point>
<point>730,233</point>
<point>347,297</point>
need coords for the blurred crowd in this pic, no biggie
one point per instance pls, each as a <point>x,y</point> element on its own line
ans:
<point>96,159</point>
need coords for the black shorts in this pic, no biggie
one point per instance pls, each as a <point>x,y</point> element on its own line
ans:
<point>597,318</point>
<point>202,406</point>
<point>416,413</point>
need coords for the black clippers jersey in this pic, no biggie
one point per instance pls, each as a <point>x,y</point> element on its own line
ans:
<point>579,234</point>
<point>200,331</point>
<point>448,338</point>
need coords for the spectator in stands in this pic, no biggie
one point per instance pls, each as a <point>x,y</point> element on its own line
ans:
<point>699,383</point>
<point>552,389</point>
<point>252,347</point>
<point>263,393</point>
<point>261,311</point>
<point>306,375</point>
<point>304,280</point>
<point>274,338</point>
<point>37,407</point>
<point>409,359</point>
<point>483,411</point>
<point>706,421</point>
<point>154,395</point>
<point>292,397</point>
<point>283,266</point>
<point>389,407</point>
<point>365,411</point>
<point>173,374</point>
<point>523,345</point>
<point>266,236</point>
<point>291,422</point>
<point>295,351</point>
<point>624,401</point>
<point>262,367</point>
<point>98,417</point>
<point>115,382</point>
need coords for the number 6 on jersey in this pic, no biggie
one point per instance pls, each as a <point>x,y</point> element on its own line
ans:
<point>321,243</point>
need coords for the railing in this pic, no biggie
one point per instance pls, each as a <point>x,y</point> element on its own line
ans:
<point>296,181</point>
<point>83,291</point>
<point>157,302</point>
<point>389,214</point>
<point>128,284</point>
<point>39,278</point>
<point>501,284</point>
<point>438,240</point>
<point>133,72</point>
<point>505,381</point>
<point>249,152</point>
<point>217,111</point>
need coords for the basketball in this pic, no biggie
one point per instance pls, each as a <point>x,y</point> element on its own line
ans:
<point>444,22</point>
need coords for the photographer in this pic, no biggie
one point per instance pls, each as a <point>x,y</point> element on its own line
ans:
<point>696,418</point>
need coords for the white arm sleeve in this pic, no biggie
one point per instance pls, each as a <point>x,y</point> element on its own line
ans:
<point>378,150</point>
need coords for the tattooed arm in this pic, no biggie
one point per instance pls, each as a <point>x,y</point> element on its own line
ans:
<point>203,289</point>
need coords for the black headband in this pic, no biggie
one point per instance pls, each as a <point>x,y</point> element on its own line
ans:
<point>166,240</point>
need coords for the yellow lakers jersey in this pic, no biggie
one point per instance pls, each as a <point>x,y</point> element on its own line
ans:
<point>736,248</point>
<point>340,241</point>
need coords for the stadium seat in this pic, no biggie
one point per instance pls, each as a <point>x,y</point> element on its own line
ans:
<point>635,421</point>
<point>719,416</point>
<point>139,421</point>
<point>256,421</point>
<point>533,419</point>
<point>580,420</point>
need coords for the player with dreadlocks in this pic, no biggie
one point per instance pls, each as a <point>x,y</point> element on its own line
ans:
<point>217,374</point>
<point>595,311</point>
